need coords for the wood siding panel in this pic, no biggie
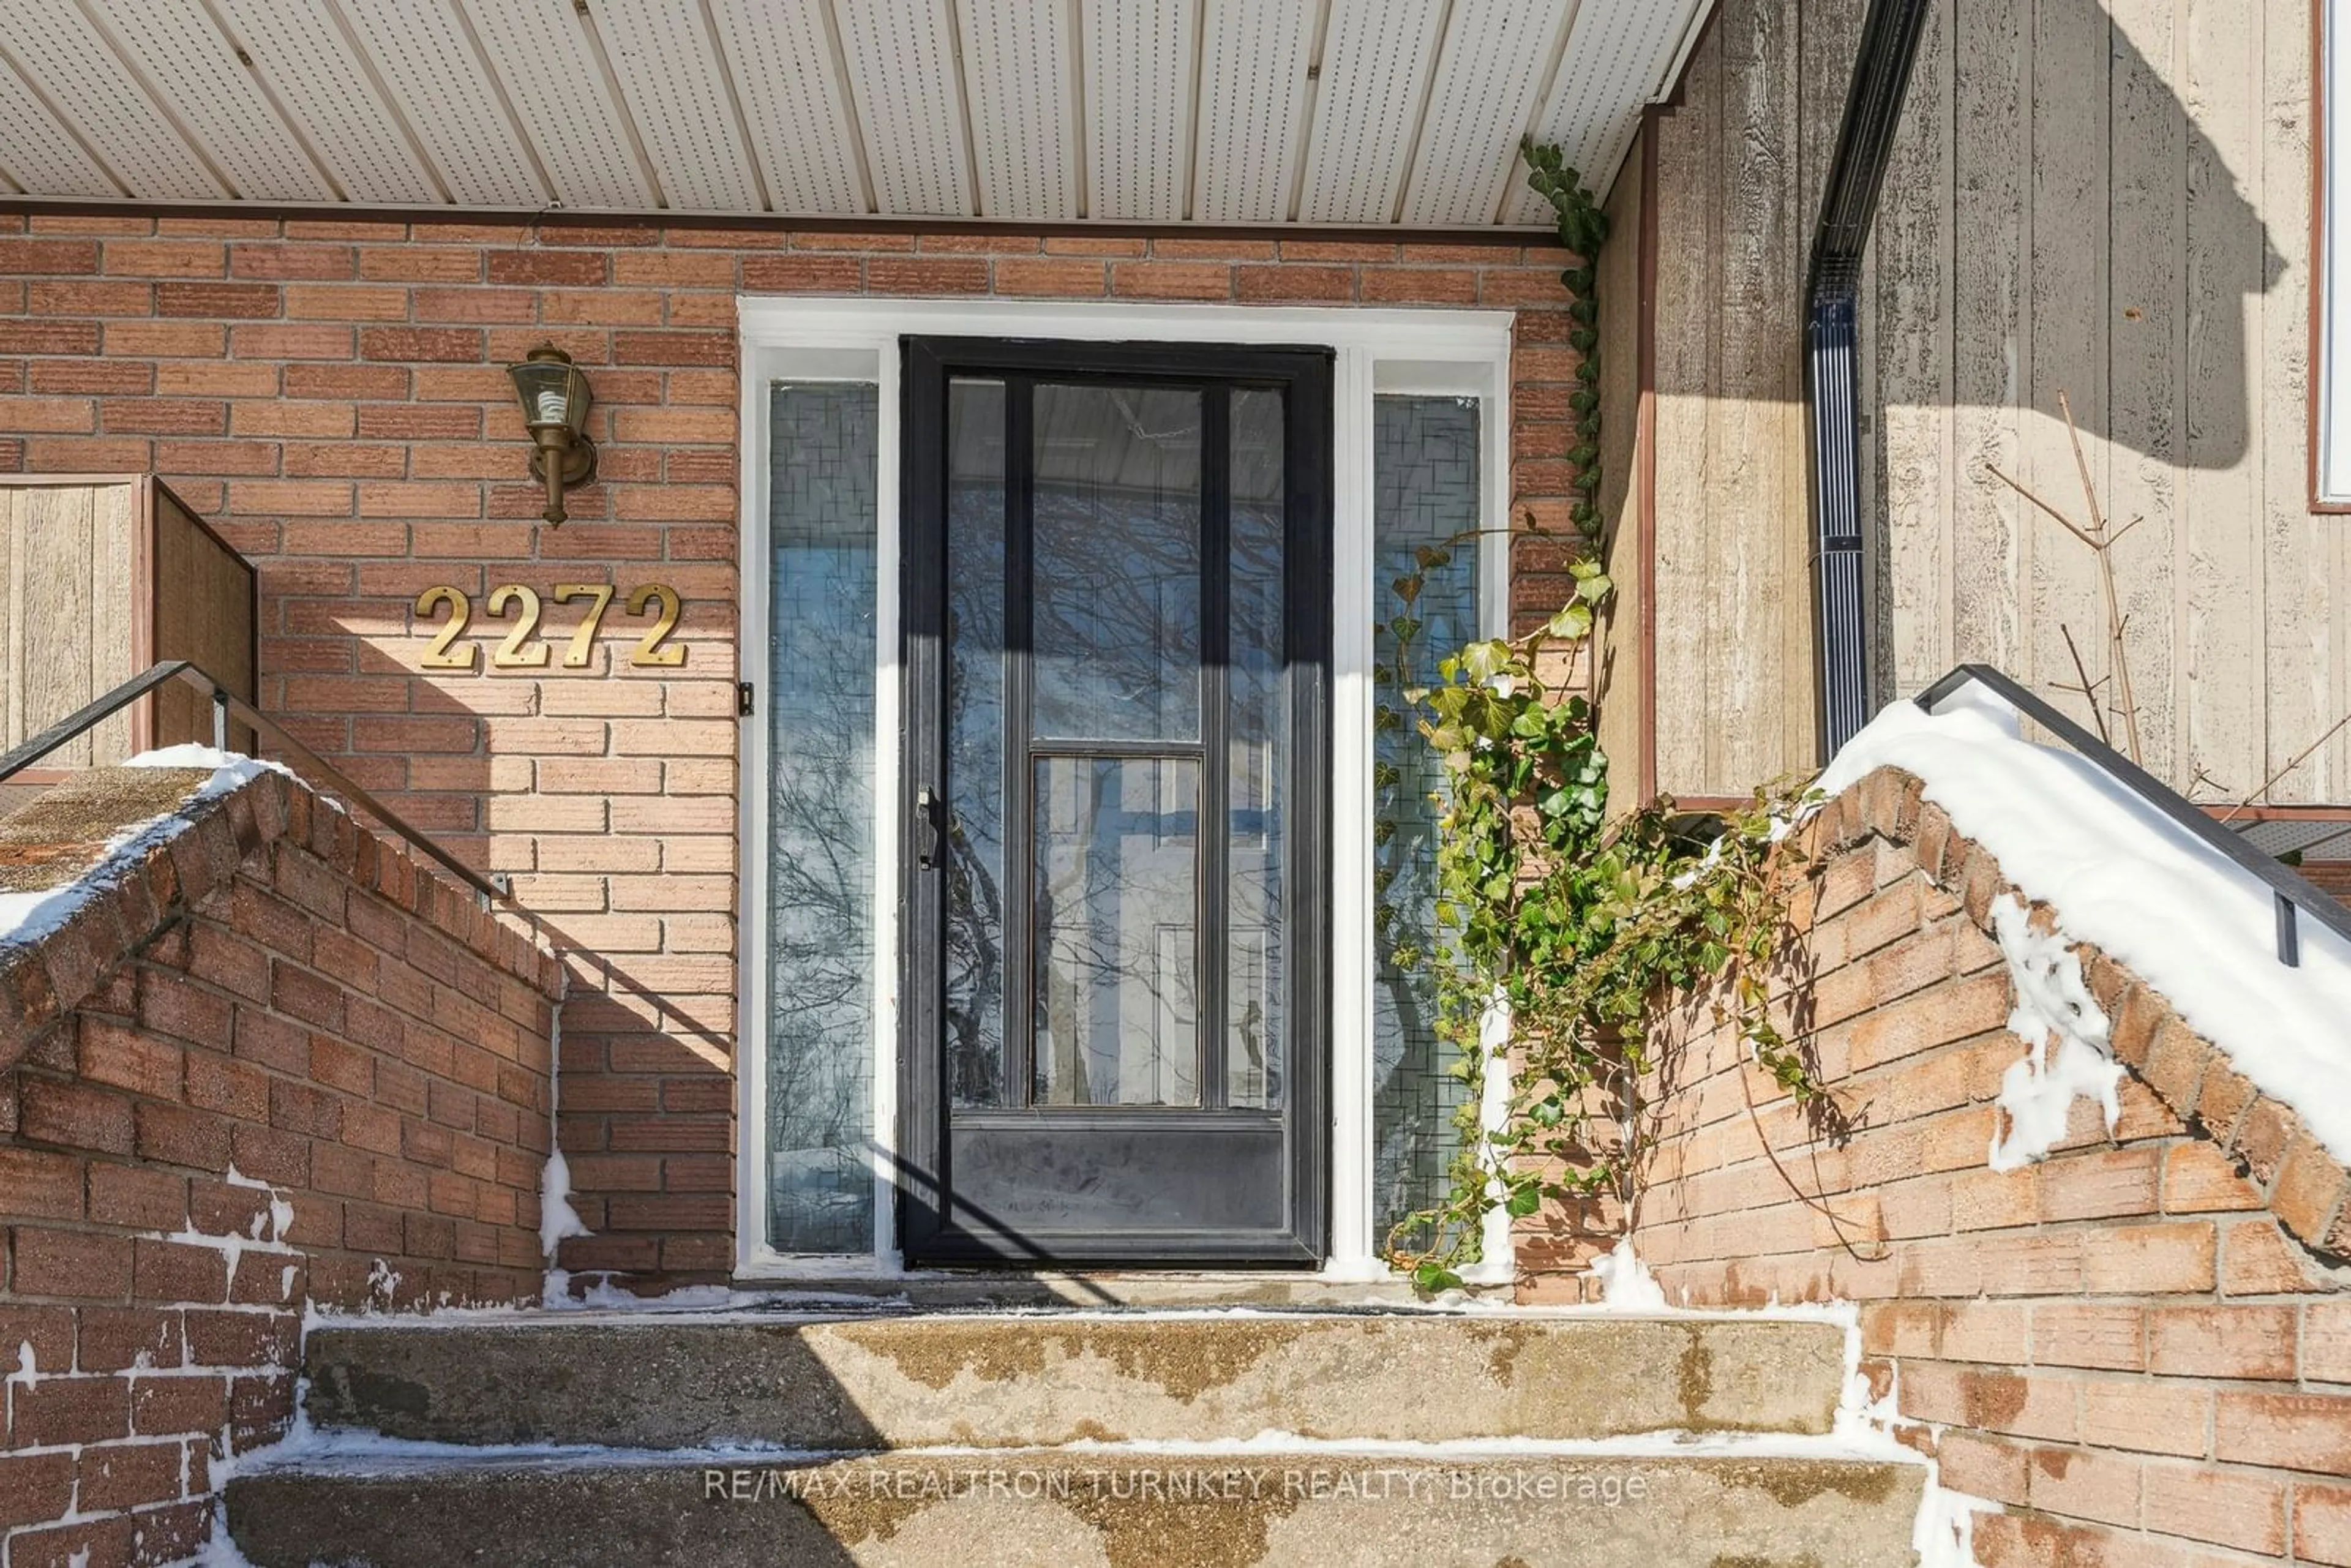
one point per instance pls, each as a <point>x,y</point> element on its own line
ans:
<point>114,607</point>
<point>1689,329</point>
<point>1908,380</point>
<point>2148,363</point>
<point>2064,323</point>
<point>1621,674</point>
<point>2107,198</point>
<point>53,676</point>
<point>2223,600</point>
<point>203,613</point>
<point>2299,649</point>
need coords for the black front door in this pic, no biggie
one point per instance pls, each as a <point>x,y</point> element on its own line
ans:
<point>1118,638</point>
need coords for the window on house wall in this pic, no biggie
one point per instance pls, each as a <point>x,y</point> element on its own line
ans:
<point>820,688</point>
<point>1425,515</point>
<point>2331,460</point>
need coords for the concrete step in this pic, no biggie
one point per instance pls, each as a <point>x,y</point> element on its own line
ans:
<point>1110,1506</point>
<point>644,1381</point>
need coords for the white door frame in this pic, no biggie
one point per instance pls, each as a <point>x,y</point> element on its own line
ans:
<point>1442,352</point>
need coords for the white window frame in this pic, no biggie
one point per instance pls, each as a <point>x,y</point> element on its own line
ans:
<point>2330,465</point>
<point>1435,351</point>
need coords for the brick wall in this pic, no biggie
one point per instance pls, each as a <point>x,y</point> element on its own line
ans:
<point>330,395</point>
<point>2139,1346</point>
<point>278,1064</point>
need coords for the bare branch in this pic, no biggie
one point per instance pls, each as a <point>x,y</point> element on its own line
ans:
<point>2089,692</point>
<point>2299,759</point>
<point>2057,517</point>
<point>2082,466</point>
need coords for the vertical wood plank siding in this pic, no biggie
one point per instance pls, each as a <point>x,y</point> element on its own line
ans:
<point>2106,198</point>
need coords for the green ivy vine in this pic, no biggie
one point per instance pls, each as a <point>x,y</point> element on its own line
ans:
<point>1579,924</point>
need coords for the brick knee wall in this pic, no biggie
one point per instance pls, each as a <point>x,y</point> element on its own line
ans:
<point>330,395</point>
<point>309,1072</point>
<point>2134,1346</point>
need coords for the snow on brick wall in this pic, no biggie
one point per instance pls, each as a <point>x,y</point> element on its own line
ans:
<point>2139,1343</point>
<point>310,1074</point>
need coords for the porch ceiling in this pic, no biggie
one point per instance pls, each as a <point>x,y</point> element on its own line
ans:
<point>1347,113</point>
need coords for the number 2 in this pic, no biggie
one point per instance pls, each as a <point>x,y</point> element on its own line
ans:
<point>649,649</point>
<point>511,654</point>
<point>437,656</point>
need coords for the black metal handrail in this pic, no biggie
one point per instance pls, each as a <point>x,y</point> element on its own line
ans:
<point>493,889</point>
<point>2295,894</point>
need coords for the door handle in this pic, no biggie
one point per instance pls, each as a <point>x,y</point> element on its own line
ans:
<point>926,820</point>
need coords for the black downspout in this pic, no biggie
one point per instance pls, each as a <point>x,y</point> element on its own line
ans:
<point>1840,560</point>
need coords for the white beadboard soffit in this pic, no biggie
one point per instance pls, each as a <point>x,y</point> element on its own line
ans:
<point>1380,114</point>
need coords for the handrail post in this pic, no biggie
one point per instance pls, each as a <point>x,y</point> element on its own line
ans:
<point>220,720</point>
<point>2289,937</point>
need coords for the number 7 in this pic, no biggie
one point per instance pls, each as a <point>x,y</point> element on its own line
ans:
<point>583,640</point>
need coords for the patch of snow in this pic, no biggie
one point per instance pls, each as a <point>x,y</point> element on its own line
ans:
<point>26,918</point>
<point>1943,1535</point>
<point>557,1217</point>
<point>219,1550</point>
<point>28,1368</point>
<point>605,1296</point>
<point>2064,1032</point>
<point>281,1208</point>
<point>2123,877</point>
<point>1625,1283</point>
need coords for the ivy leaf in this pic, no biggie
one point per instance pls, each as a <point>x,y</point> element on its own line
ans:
<point>1573,620</point>
<point>1434,1277</point>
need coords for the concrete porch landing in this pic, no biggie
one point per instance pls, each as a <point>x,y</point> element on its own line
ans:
<point>1043,1379</point>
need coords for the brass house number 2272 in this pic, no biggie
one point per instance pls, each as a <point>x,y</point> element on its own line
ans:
<point>522,650</point>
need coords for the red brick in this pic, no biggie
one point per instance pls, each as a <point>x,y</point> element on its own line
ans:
<point>1171,280</point>
<point>177,1272</point>
<point>2291,1431</point>
<point>137,1198</point>
<point>572,268</point>
<point>215,300</point>
<point>1051,277</point>
<point>35,1488</point>
<point>2087,1484</point>
<point>59,1410</point>
<point>118,1339</point>
<point>2239,1341</point>
<point>2151,1260</point>
<point>79,1115</point>
<point>73,1264</point>
<point>443,344</point>
<point>2322,1523</point>
<point>183,1137</point>
<point>40,1185</point>
<point>674,348</point>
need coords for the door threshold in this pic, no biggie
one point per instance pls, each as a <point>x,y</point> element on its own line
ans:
<point>977,1289</point>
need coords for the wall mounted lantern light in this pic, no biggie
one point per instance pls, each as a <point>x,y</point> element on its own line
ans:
<point>554,395</point>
